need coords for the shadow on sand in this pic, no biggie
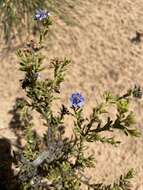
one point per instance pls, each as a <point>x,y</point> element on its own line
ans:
<point>7,178</point>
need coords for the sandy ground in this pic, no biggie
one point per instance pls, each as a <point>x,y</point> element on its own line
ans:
<point>97,40</point>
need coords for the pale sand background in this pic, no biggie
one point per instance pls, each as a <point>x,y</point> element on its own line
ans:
<point>97,39</point>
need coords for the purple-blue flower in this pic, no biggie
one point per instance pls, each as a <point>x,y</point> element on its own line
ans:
<point>77,100</point>
<point>41,14</point>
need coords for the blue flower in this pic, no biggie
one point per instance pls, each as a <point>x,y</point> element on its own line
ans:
<point>41,14</point>
<point>77,100</point>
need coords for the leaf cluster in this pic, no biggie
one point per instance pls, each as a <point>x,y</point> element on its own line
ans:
<point>122,184</point>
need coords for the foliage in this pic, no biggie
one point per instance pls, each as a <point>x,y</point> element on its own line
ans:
<point>56,162</point>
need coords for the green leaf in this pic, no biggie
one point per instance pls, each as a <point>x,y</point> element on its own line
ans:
<point>123,106</point>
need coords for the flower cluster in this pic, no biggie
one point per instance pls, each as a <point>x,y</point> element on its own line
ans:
<point>41,14</point>
<point>77,100</point>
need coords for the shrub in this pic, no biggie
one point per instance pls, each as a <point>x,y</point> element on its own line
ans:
<point>61,163</point>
